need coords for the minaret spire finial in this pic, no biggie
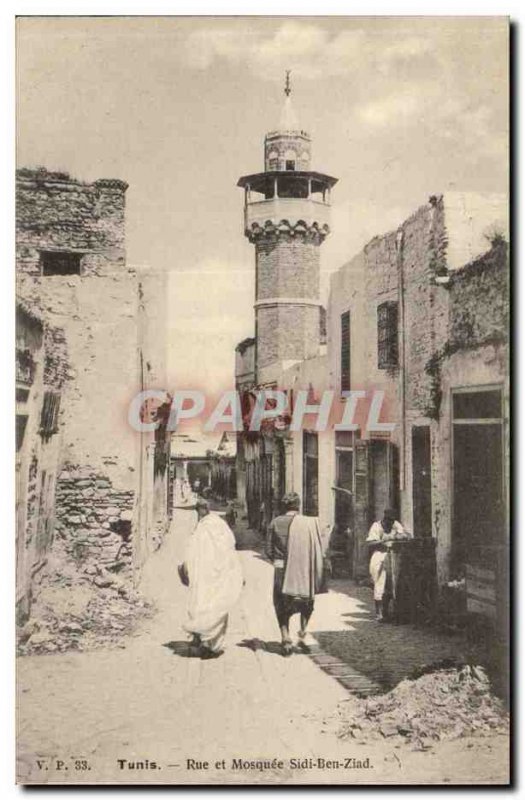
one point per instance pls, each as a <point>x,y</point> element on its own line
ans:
<point>287,87</point>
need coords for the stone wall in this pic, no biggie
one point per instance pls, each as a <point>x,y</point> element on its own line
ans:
<point>479,300</point>
<point>287,268</point>
<point>58,213</point>
<point>301,340</point>
<point>425,303</point>
<point>93,519</point>
<point>57,369</point>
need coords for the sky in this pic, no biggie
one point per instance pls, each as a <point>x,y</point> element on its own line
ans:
<point>398,109</point>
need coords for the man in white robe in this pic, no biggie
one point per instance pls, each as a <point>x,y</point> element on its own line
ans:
<point>380,538</point>
<point>214,576</point>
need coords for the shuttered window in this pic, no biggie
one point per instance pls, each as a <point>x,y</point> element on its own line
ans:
<point>50,409</point>
<point>345,352</point>
<point>387,347</point>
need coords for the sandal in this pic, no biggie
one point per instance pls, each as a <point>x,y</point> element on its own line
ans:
<point>287,648</point>
<point>301,635</point>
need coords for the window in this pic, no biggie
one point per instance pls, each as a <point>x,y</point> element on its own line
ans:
<point>21,422</point>
<point>289,160</point>
<point>477,405</point>
<point>344,454</point>
<point>310,474</point>
<point>49,416</point>
<point>25,366</point>
<point>60,263</point>
<point>387,347</point>
<point>345,352</point>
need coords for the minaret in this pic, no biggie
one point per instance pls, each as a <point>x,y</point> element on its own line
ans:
<point>286,217</point>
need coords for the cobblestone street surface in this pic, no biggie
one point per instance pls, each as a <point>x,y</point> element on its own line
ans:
<point>148,701</point>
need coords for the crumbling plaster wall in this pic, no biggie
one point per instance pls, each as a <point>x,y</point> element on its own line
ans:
<point>99,320</point>
<point>38,457</point>
<point>113,324</point>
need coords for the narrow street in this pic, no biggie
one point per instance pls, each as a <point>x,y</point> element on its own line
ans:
<point>147,701</point>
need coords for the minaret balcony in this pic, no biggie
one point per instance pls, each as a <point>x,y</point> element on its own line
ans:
<point>285,199</point>
<point>290,210</point>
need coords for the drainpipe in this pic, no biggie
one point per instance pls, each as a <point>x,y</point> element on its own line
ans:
<point>402,358</point>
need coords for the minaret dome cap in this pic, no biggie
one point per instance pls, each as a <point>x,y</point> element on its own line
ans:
<point>288,147</point>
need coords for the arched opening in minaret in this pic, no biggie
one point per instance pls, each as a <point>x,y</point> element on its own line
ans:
<point>289,160</point>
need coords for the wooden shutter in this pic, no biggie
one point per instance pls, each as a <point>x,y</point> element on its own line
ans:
<point>345,352</point>
<point>387,323</point>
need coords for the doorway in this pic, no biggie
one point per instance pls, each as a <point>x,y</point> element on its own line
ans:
<point>342,538</point>
<point>479,498</point>
<point>421,481</point>
<point>310,474</point>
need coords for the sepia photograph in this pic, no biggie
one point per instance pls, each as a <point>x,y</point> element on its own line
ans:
<point>262,401</point>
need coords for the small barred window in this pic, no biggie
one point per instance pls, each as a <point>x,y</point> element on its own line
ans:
<point>60,263</point>
<point>387,343</point>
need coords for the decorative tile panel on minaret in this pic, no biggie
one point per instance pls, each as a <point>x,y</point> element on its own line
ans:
<point>287,224</point>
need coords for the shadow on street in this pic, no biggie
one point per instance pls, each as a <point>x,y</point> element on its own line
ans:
<point>258,644</point>
<point>182,649</point>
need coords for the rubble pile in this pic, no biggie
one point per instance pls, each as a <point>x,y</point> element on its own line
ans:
<point>81,611</point>
<point>444,704</point>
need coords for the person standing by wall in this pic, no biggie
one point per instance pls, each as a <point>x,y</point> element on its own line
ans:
<point>380,538</point>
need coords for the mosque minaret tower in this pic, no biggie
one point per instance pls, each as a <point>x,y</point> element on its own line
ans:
<point>286,217</point>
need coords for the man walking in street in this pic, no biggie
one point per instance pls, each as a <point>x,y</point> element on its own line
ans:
<point>294,546</point>
<point>213,572</point>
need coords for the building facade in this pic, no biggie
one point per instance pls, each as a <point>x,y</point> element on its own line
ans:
<point>419,315</point>
<point>103,340</point>
<point>400,315</point>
